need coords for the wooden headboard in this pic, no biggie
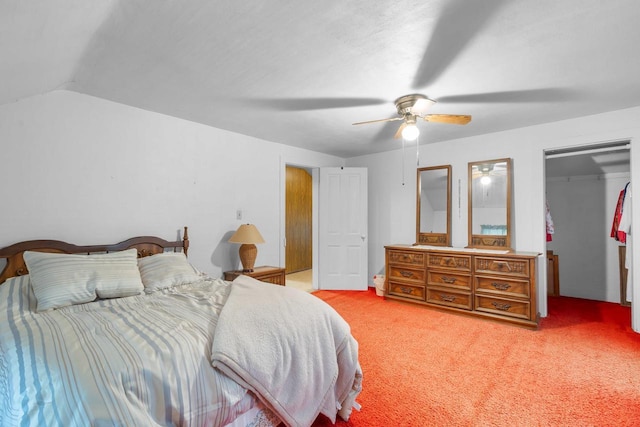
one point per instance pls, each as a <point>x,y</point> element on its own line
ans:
<point>146,245</point>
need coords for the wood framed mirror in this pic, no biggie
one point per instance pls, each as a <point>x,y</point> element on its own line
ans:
<point>433,206</point>
<point>490,204</point>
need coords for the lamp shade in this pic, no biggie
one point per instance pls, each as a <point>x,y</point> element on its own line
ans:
<point>247,233</point>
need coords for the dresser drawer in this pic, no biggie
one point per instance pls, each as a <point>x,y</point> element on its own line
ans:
<point>276,279</point>
<point>503,266</point>
<point>268,274</point>
<point>503,307</point>
<point>406,291</point>
<point>503,286</point>
<point>406,275</point>
<point>456,262</point>
<point>449,298</point>
<point>449,279</point>
<point>406,258</point>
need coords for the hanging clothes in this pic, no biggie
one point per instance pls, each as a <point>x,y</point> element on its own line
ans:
<point>549,222</point>
<point>625,227</point>
<point>616,232</point>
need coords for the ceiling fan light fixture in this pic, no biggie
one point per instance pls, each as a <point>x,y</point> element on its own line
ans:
<point>410,132</point>
<point>485,180</point>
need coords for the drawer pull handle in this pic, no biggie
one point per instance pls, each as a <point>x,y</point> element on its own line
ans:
<point>501,286</point>
<point>449,280</point>
<point>499,306</point>
<point>406,274</point>
<point>502,264</point>
<point>406,290</point>
<point>447,298</point>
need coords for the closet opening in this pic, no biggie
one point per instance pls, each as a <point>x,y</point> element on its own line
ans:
<point>584,186</point>
<point>299,227</point>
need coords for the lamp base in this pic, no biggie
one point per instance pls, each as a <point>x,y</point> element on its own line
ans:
<point>248,253</point>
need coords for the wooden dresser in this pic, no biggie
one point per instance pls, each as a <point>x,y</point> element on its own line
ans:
<point>500,286</point>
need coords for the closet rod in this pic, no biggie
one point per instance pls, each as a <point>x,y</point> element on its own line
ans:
<point>591,151</point>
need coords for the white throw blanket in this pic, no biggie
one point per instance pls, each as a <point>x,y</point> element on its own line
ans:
<point>294,351</point>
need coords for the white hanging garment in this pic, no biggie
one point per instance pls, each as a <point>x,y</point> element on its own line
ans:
<point>549,222</point>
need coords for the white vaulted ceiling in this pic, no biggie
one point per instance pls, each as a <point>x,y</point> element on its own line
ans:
<point>300,73</point>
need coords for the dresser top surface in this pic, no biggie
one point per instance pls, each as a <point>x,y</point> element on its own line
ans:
<point>467,251</point>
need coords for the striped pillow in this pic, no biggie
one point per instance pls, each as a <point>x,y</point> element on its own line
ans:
<point>166,270</point>
<point>59,280</point>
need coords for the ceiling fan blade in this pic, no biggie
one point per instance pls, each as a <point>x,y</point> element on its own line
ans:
<point>528,95</point>
<point>453,119</point>
<point>398,134</point>
<point>393,119</point>
<point>459,22</point>
<point>298,104</point>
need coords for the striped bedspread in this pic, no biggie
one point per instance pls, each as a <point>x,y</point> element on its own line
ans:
<point>137,361</point>
<point>301,340</point>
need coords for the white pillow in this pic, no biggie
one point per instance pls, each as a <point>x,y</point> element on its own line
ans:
<point>165,270</point>
<point>59,280</point>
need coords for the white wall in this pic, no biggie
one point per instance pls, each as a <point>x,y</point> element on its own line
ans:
<point>392,206</point>
<point>86,170</point>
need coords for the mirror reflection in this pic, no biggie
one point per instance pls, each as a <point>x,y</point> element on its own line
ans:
<point>433,206</point>
<point>489,203</point>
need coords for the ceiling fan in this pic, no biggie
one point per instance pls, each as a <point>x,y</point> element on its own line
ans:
<point>413,107</point>
<point>458,23</point>
<point>486,171</point>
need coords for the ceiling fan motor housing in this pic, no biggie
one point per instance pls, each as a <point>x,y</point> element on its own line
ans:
<point>412,104</point>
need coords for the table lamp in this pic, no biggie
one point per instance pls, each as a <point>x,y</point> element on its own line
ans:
<point>248,235</point>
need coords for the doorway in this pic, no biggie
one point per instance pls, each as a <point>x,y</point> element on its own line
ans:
<point>583,185</point>
<point>299,228</point>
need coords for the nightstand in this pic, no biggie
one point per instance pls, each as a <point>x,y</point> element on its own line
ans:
<point>265,273</point>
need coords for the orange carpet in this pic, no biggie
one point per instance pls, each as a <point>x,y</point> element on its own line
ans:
<point>425,367</point>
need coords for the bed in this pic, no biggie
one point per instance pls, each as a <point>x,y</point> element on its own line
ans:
<point>132,334</point>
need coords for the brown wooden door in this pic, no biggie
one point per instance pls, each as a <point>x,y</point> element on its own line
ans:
<point>298,251</point>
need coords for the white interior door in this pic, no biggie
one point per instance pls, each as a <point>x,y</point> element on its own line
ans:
<point>343,229</point>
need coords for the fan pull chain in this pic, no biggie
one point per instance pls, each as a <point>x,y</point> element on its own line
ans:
<point>403,161</point>
<point>418,151</point>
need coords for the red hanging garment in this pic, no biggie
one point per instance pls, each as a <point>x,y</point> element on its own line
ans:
<point>620,236</point>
